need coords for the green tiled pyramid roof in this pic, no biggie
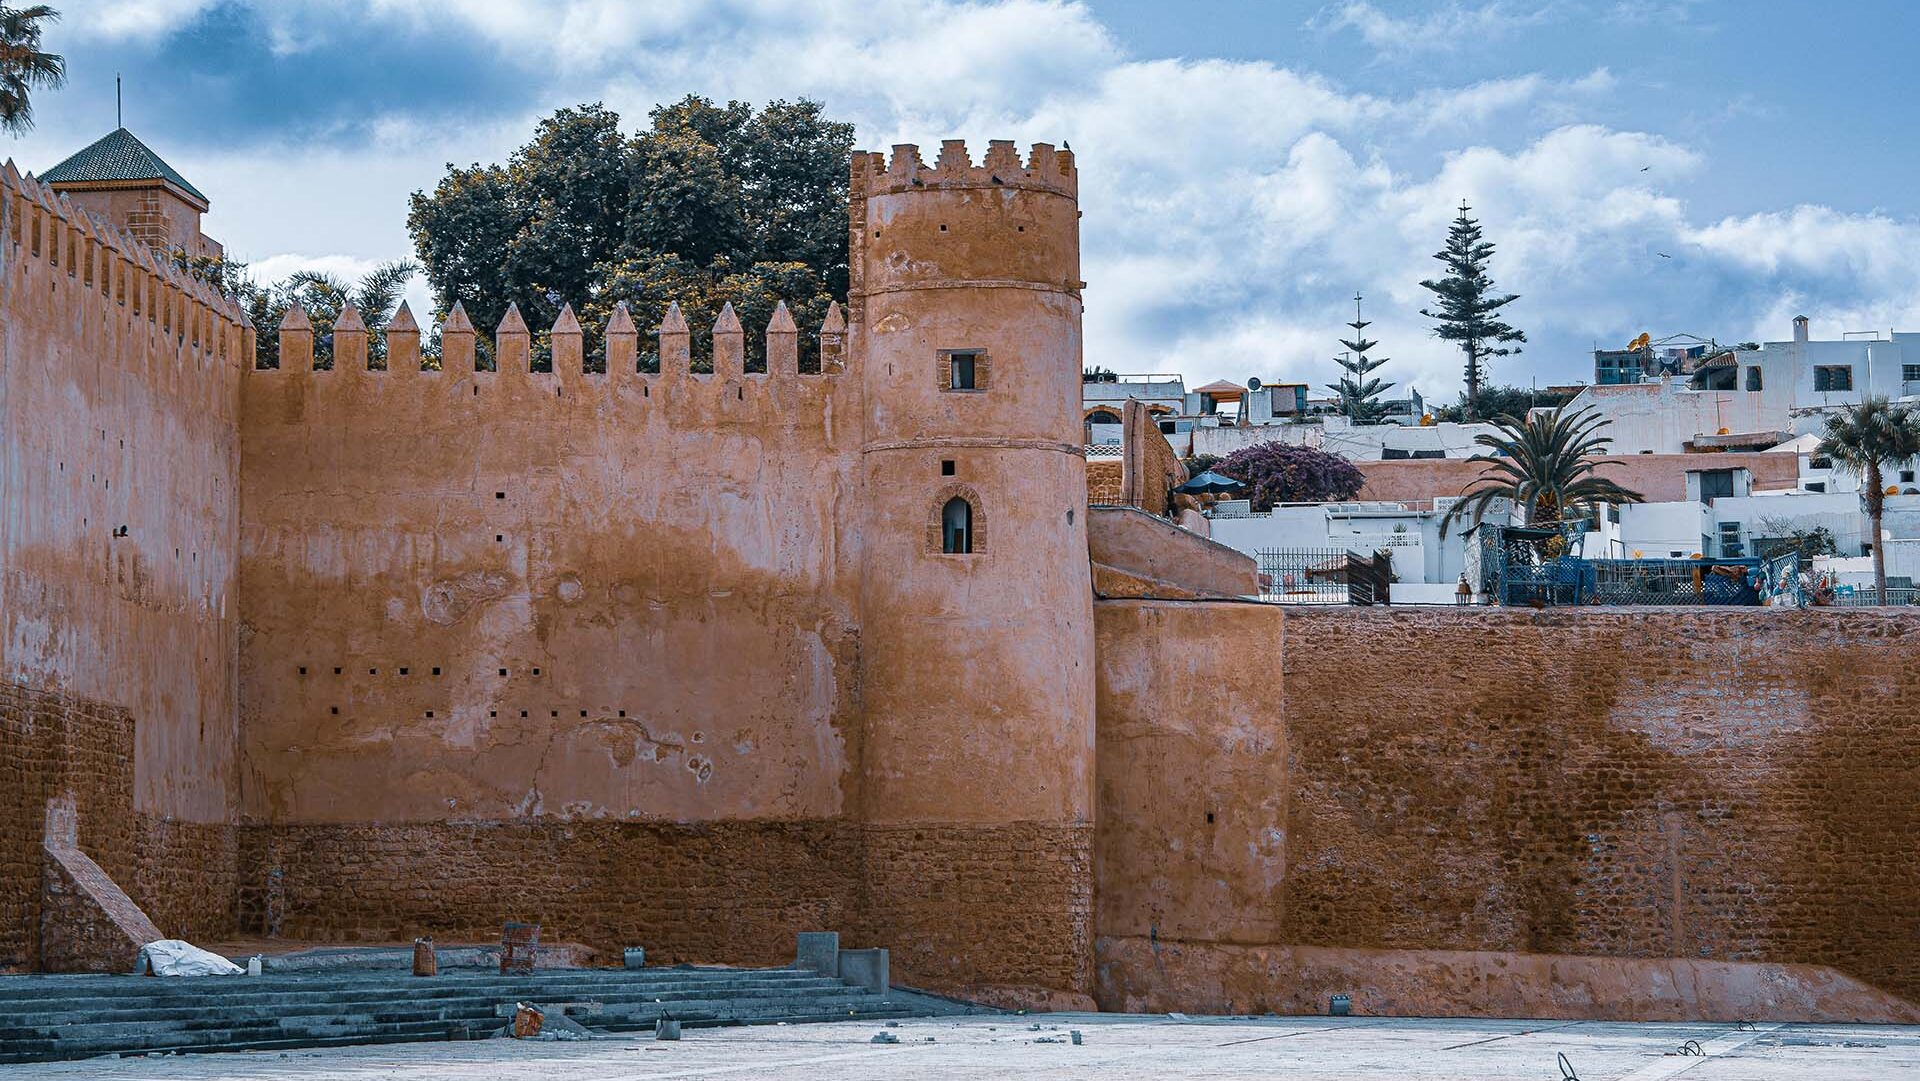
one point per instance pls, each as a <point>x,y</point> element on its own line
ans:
<point>117,156</point>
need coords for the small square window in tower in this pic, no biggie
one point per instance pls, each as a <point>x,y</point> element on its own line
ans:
<point>963,369</point>
<point>956,527</point>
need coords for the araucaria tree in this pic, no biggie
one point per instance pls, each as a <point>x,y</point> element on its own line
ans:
<point>23,67</point>
<point>1466,303</point>
<point>1543,464</point>
<point>1359,394</point>
<point>1288,473</point>
<point>708,205</point>
<point>1867,439</point>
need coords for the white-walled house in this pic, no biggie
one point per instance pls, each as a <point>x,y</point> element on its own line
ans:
<point>1409,532</point>
<point>1355,442</point>
<point>1752,398</point>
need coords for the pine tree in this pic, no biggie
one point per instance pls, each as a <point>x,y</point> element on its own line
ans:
<point>1467,303</point>
<point>1358,394</point>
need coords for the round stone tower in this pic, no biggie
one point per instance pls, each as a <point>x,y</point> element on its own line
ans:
<point>976,606</point>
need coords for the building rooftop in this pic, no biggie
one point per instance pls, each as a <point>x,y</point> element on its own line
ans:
<point>118,156</point>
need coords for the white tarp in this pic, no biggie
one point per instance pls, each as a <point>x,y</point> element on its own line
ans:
<point>172,957</point>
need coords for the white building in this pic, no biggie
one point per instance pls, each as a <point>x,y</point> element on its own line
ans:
<point>1426,566</point>
<point>1356,442</point>
<point>1749,399</point>
<point>1222,417</point>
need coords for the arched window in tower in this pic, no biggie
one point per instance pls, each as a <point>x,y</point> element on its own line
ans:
<point>956,527</point>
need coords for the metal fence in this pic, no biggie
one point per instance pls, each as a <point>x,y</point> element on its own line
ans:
<point>1303,575</point>
<point>1534,567</point>
<point>1866,597</point>
<point>1324,576</point>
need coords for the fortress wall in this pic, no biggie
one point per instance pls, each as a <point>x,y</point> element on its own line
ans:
<point>1646,787</point>
<point>566,647</point>
<point>477,596</point>
<point>119,384</point>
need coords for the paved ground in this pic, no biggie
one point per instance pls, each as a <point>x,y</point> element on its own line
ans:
<point>1115,1047</point>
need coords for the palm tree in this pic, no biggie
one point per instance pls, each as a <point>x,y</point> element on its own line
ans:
<point>1863,439</point>
<point>325,296</point>
<point>1544,464</point>
<point>23,66</point>
<point>376,295</point>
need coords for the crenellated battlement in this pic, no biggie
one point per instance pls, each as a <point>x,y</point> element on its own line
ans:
<point>48,238</point>
<point>1045,169</point>
<point>513,346</point>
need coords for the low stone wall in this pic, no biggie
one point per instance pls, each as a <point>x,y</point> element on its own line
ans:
<point>1140,975</point>
<point>56,747</point>
<point>1001,914</point>
<point>1149,547</point>
<point>722,891</point>
<point>185,876</point>
<point>1737,786</point>
<point>61,747</point>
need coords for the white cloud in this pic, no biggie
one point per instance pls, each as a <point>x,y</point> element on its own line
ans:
<point>115,19</point>
<point>1438,27</point>
<point>1232,208</point>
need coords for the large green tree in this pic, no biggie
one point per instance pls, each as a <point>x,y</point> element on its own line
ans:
<point>1867,440</point>
<point>1466,304</point>
<point>708,204</point>
<point>24,67</point>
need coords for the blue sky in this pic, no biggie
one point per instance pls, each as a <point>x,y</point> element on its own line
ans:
<point>1659,165</point>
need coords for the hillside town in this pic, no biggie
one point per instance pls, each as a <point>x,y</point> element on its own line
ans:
<point>1723,444</point>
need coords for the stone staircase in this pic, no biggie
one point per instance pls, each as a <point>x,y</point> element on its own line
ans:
<point>65,1017</point>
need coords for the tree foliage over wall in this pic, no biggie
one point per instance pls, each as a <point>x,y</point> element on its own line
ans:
<point>709,204</point>
<point>24,68</point>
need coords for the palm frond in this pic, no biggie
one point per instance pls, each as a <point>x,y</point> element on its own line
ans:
<point>1544,463</point>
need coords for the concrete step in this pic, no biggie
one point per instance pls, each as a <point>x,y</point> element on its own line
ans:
<point>66,1017</point>
<point>85,1025</point>
<point>421,991</point>
<point>28,988</point>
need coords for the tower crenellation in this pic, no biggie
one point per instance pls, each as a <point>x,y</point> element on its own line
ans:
<point>1045,169</point>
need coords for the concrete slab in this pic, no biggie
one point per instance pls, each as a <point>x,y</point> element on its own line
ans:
<point>1115,1046</point>
<point>866,968</point>
<point>817,950</point>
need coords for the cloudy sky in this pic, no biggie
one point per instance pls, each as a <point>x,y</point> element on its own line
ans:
<point>1662,165</point>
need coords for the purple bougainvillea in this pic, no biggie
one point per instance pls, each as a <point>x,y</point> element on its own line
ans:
<point>1286,473</point>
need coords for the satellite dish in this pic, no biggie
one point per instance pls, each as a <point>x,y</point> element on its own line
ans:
<point>1253,383</point>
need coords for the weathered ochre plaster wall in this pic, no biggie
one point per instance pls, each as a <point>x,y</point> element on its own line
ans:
<point>1192,771</point>
<point>513,595</point>
<point>541,629</point>
<point>119,383</point>
<point>1730,786</point>
<point>976,667</point>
